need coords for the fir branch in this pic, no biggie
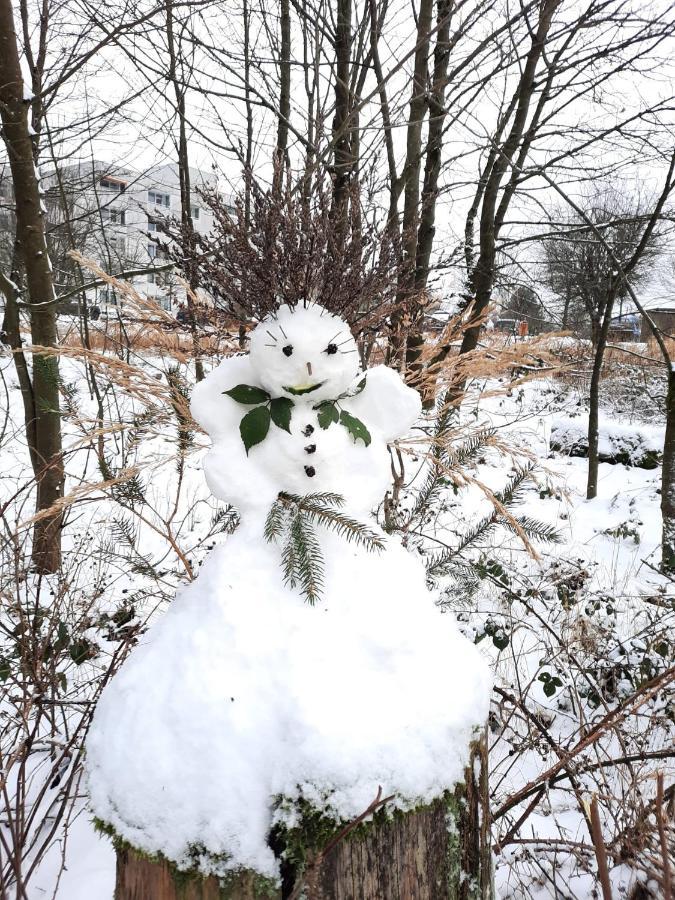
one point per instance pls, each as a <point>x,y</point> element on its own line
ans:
<point>291,520</point>
<point>534,529</point>
<point>310,565</point>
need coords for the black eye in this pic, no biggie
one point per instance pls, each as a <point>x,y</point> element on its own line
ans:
<point>287,350</point>
<point>331,348</point>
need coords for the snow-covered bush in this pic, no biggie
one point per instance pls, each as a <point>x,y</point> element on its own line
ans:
<point>631,445</point>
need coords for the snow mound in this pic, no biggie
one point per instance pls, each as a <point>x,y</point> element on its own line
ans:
<point>238,697</point>
<point>632,445</point>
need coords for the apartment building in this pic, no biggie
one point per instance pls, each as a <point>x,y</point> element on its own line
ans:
<point>113,215</point>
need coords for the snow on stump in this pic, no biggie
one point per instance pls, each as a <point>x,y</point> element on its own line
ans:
<point>302,722</point>
<point>439,852</point>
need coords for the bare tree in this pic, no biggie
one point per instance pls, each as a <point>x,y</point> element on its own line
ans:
<point>41,402</point>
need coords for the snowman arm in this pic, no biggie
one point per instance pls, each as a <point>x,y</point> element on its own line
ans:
<point>386,403</point>
<point>218,414</point>
<point>230,473</point>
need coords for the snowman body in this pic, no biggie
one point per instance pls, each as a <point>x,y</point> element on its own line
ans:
<point>309,457</point>
<point>243,698</point>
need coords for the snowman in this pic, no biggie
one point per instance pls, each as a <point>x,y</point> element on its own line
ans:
<point>244,700</point>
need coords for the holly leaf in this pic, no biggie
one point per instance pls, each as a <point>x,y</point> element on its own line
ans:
<point>327,414</point>
<point>247,394</point>
<point>254,426</point>
<point>280,409</point>
<point>355,427</point>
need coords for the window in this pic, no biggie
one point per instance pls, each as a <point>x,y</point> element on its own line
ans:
<point>112,184</point>
<point>117,243</point>
<point>152,226</point>
<point>159,199</point>
<point>194,212</point>
<point>107,295</point>
<point>116,216</point>
<point>152,250</point>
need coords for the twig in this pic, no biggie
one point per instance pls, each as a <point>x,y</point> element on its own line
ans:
<point>667,889</point>
<point>600,850</point>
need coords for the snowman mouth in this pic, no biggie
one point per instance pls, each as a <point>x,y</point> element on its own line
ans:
<point>304,388</point>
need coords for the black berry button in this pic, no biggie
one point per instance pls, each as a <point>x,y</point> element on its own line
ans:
<point>310,448</point>
<point>310,471</point>
<point>309,429</point>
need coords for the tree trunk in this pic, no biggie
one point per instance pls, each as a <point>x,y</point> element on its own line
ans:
<point>483,274</point>
<point>281,151</point>
<point>342,124</point>
<point>434,150</point>
<point>668,481</point>
<point>594,402</point>
<point>32,248</point>
<point>438,852</point>
<point>185,189</point>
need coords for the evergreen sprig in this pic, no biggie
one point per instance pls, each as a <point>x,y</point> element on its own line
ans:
<point>291,521</point>
<point>511,494</point>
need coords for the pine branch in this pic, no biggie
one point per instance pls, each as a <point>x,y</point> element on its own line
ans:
<point>534,529</point>
<point>310,565</point>
<point>291,519</point>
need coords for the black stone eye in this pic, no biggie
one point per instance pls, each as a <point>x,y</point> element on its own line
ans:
<point>331,349</point>
<point>287,350</point>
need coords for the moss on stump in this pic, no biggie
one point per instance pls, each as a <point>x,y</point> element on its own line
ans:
<point>436,852</point>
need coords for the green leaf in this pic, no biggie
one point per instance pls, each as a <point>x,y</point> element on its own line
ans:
<point>81,651</point>
<point>355,427</point>
<point>254,426</point>
<point>327,414</point>
<point>247,394</point>
<point>281,408</point>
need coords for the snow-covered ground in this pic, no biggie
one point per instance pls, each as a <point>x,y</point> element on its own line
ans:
<point>571,628</point>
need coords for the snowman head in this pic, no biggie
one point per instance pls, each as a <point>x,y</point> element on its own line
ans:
<point>304,352</point>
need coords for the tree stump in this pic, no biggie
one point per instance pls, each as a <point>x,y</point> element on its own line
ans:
<point>438,852</point>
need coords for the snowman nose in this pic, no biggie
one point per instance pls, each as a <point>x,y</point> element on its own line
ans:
<point>309,368</point>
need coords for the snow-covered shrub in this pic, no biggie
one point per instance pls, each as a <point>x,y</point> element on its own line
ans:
<point>631,445</point>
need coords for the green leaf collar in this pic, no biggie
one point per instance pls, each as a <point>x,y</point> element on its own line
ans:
<point>255,425</point>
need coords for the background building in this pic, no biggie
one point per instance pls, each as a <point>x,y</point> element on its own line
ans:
<point>111,214</point>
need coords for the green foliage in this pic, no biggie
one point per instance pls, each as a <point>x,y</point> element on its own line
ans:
<point>180,393</point>
<point>551,683</point>
<point>254,426</point>
<point>355,427</point>
<point>280,410</point>
<point>327,414</point>
<point>444,561</point>
<point>247,394</point>
<point>291,521</point>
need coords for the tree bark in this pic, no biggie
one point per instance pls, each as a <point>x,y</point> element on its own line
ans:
<point>668,480</point>
<point>341,120</point>
<point>594,401</point>
<point>438,852</point>
<point>281,150</point>
<point>32,248</point>
<point>410,177</point>
<point>185,188</point>
<point>434,150</point>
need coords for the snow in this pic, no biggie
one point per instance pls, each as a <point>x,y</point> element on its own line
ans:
<point>615,437</point>
<point>214,718</point>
